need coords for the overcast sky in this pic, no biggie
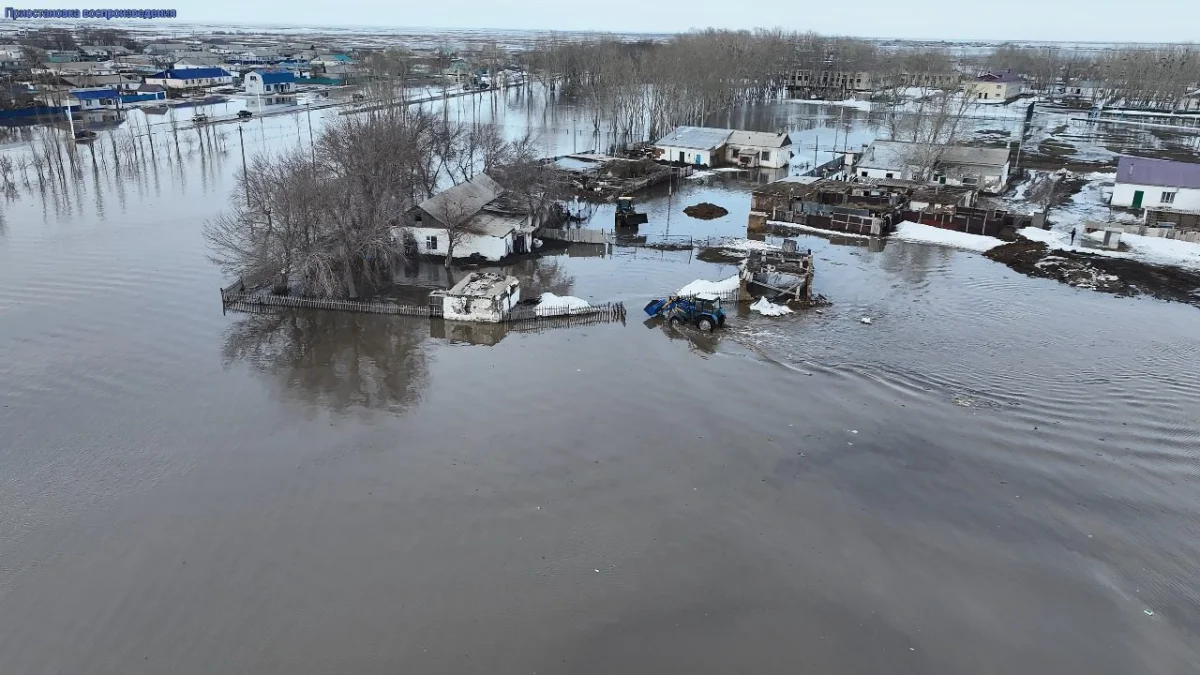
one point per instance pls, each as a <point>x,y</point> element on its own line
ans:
<point>1057,20</point>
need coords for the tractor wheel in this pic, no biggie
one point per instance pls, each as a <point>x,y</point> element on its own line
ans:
<point>705,324</point>
<point>674,321</point>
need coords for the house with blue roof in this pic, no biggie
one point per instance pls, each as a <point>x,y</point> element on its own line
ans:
<point>94,99</point>
<point>270,82</point>
<point>190,78</point>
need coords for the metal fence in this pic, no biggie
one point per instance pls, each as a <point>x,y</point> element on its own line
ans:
<point>577,235</point>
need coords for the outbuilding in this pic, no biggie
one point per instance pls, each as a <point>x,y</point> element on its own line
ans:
<point>481,296</point>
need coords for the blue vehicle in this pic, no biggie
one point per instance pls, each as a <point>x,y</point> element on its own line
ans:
<point>703,311</point>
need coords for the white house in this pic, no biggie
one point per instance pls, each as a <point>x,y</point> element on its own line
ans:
<point>995,87</point>
<point>268,82</point>
<point>475,215</point>
<point>190,78</point>
<point>986,169</point>
<point>701,146</point>
<point>1157,183</point>
<point>481,296</point>
<point>758,149</point>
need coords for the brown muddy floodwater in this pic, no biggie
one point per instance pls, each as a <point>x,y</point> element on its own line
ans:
<point>999,475</point>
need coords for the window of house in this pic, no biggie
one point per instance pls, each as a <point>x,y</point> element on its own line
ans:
<point>864,174</point>
<point>431,243</point>
<point>766,155</point>
<point>1168,198</point>
<point>889,176</point>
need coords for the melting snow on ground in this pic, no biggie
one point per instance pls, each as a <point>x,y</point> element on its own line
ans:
<point>766,308</point>
<point>817,230</point>
<point>703,286</point>
<point>748,245</point>
<point>550,304</point>
<point>926,234</point>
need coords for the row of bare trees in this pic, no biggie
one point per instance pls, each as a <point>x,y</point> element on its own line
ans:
<point>1152,77</point>
<point>321,222</point>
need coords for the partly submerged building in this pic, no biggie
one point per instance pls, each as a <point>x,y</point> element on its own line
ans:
<point>712,146</point>
<point>476,216</point>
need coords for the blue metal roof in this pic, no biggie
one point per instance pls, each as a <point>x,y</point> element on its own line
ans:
<point>276,76</point>
<point>92,94</point>
<point>191,74</point>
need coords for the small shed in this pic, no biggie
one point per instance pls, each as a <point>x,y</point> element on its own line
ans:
<point>481,296</point>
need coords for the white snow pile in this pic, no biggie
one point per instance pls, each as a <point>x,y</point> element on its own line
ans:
<point>550,304</point>
<point>703,286</point>
<point>700,174</point>
<point>817,230</point>
<point>767,308</point>
<point>748,245</point>
<point>1154,250</point>
<point>927,234</point>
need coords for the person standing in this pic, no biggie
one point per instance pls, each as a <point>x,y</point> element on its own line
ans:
<point>1072,236</point>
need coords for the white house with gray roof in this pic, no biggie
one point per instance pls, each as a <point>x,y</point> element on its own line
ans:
<point>985,169</point>
<point>1157,183</point>
<point>474,212</point>
<point>711,146</point>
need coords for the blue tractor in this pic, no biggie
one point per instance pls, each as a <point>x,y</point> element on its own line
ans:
<point>703,311</point>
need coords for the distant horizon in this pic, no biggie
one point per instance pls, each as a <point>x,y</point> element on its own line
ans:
<point>1039,21</point>
<point>183,27</point>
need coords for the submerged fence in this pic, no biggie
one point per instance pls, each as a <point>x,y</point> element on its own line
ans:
<point>237,297</point>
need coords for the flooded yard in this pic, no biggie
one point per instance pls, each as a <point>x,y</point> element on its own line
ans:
<point>999,474</point>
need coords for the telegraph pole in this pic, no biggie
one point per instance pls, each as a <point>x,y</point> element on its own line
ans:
<point>245,176</point>
<point>312,148</point>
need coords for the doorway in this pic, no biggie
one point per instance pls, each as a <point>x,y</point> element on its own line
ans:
<point>1137,198</point>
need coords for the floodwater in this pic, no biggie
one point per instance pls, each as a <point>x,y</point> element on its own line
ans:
<point>999,475</point>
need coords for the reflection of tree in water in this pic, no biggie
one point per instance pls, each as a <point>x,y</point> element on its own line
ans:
<point>914,262</point>
<point>542,275</point>
<point>338,360</point>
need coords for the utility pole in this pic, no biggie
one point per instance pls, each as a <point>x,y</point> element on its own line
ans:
<point>312,148</point>
<point>816,144</point>
<point>245,176</point>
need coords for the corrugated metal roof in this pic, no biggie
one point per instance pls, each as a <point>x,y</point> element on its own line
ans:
<point>962,154</point>
<point>760,139</point>
<point>93,94</point>
<point>1158,172</point>
<point>1001,76</point>
<point>457,204</point>
<point>191,74</point>
<point>696,138</point>
<point>276,76</point>
<point>895,155</point>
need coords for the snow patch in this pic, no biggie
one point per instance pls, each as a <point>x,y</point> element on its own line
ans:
<point>766,308</point>
<point>817,230</point>
<point>703,286</point>
<point>926,234</point>
<point>550,304</point>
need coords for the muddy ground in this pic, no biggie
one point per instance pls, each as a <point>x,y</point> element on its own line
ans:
<point>1119,276</point>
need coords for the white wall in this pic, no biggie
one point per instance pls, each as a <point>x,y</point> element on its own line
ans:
<point>671,154</point>
<point>779,157</point>
<point>1187,199</point>
<point>881,173</point>
<point>491,248</point>
<point>490,310</point>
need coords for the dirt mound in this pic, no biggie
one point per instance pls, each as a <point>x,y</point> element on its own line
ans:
<point>705,211</point>
<point>1119,276</point>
